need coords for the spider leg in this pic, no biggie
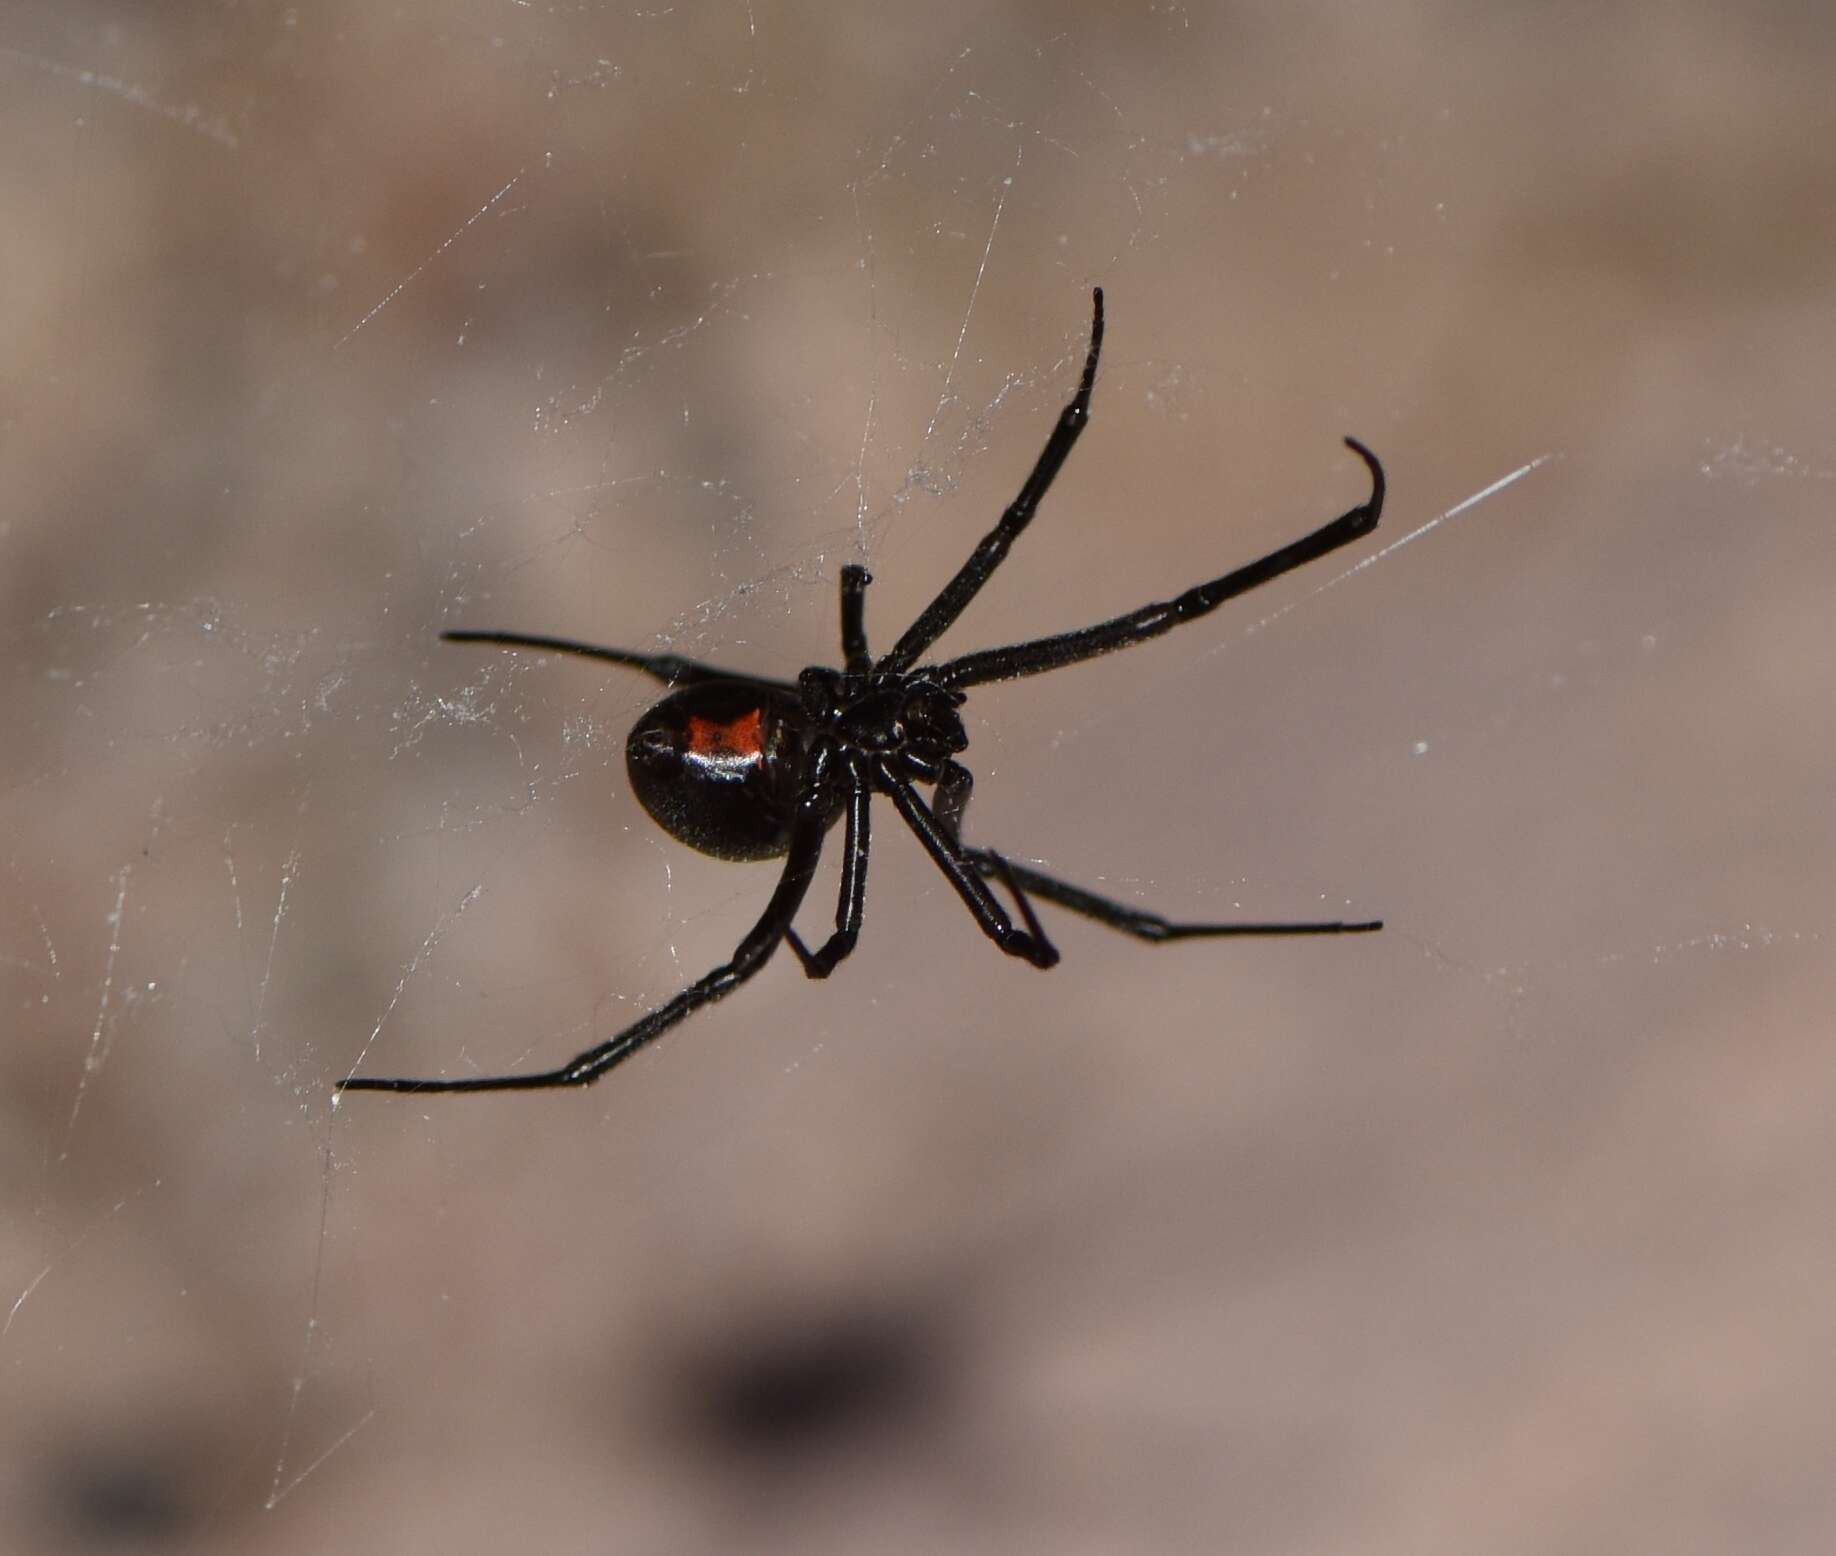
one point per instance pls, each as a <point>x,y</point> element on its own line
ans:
<point>1068,648</point>
<point>751,954</point>
<point>1030,944</point>
<point>854,581</point>
<point>952,798</point>
<point>670,669</point>
<point>1137,921</point>
<point>851,905</point>
<point>936,617</point>
<point>949,800</point>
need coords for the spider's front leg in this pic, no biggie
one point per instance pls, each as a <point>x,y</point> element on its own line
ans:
<point>991,551</point>
<point>854,581</point>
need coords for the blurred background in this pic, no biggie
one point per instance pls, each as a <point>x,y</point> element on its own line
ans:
<point>324,329</point>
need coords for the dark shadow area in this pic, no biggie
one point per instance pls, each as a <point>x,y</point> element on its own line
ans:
<point>113,1497</point>
<point>805,1386</point>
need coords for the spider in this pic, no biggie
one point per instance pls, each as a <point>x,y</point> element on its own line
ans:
<point>746,768</point>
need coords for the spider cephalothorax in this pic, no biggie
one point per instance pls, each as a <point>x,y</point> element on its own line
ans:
<point>743,767</point>
<point>900,716</point>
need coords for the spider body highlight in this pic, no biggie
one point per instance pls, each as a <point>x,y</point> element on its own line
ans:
<point>747,768</point>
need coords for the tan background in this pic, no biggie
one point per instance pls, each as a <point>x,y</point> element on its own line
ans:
<point>1508,1230</point>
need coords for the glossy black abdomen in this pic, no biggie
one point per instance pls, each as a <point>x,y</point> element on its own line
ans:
<point>715,766</point>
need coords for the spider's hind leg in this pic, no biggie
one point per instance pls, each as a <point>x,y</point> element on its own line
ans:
<point>1138,922</point>
<point>939,830</point>
<point>850,908</point>
<point>956,784</point>
<point>748,957</point>
<point>951,798</point>
<point>671,669</point>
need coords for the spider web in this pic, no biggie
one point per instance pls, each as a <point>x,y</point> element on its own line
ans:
<point>329,331</point>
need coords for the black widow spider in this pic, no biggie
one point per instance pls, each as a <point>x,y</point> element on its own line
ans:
<point>743,768</point>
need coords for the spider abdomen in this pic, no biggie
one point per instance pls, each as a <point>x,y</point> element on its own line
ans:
<point>714,764</point>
